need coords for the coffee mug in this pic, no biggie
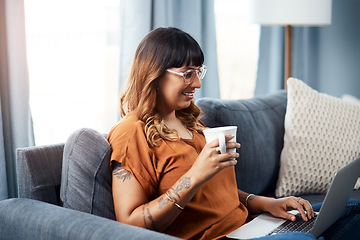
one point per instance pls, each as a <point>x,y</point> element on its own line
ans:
<point>219,133</point>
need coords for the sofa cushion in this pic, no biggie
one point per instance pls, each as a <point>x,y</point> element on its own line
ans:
<point>86,174</point>
<point>321,136</point>
<point>260,123</point>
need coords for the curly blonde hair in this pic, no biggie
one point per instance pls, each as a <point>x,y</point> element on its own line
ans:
<point>161,49</point>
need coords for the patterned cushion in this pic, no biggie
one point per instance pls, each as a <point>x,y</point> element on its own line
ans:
<point>321,136</point>
<point>86,174</point>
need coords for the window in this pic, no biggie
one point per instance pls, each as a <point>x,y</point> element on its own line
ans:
<point>73,58</point>
<point>237,46</point>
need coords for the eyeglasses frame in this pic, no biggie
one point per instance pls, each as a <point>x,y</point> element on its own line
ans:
<point>182,74</point>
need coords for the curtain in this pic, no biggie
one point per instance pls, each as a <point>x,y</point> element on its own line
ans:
<point>15,121</point>
<point>195,17</point>
<point>326,58</point>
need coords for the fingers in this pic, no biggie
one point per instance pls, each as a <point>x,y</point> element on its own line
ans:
<point>305,205</point>
<point>227,163</point>
<point>304,208</point>
<point>224,157</point>
<point>229,145</point>
<point>224,160</point>
<point>228,137</point>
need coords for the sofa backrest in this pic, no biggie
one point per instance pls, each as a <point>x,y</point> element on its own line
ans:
<point>260,132</point>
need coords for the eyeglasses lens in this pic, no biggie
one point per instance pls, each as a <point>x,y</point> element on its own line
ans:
<point>201,73</point>
<point>188,75</point>
<point>191,74</point>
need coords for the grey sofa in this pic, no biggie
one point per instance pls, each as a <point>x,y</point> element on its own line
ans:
<point>65,189</point>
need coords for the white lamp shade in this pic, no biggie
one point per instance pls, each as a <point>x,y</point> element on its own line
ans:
<point>290,12</point>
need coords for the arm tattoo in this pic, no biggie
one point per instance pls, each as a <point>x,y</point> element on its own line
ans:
<point>149,216</point>
<point>143,212</point>
<point>184,183</point>
<point>151,219</point>
<point>162,202</point>
<point>121,173</point>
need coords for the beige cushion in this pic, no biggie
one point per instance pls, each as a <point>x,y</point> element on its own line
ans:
<point>322,134</point>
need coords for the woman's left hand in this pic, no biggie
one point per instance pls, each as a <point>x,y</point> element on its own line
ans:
<point>280,207</point>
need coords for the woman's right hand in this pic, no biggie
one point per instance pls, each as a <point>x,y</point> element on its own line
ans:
<point>210,162</point>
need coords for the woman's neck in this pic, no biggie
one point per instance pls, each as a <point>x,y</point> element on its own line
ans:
<point>171,118</point>
<point>172,122</point>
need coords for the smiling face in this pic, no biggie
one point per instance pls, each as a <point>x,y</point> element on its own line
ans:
<point>151,88</point>
<point>174,93</point>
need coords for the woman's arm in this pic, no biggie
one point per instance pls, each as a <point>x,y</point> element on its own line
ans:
<point>132,206</point>
<point>277,207</point>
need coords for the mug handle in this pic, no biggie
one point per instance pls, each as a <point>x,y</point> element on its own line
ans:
<point>222,145</point>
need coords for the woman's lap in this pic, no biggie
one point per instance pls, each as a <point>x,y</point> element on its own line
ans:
<point>347,227</point>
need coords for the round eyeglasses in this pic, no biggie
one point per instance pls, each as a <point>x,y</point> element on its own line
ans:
<point>190,74</point>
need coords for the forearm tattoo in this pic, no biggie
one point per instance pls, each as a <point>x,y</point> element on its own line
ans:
<point>121,173</point>
<point>184,183</point>
<point>162,202</point>
<point>149,216</point>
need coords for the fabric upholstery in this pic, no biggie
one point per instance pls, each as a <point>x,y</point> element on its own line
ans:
<point>34,220</point>
<point>321,136</point>
<point>39,172</point>
<point>260,133</point>
<point>86,174</point>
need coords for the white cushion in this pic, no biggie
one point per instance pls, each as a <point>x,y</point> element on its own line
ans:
<point>350,99</point>
<point>322,134</point>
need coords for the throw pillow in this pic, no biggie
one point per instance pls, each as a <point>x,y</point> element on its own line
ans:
<point>350,99</point>
<point>86,174</point>
<point>321,136</point>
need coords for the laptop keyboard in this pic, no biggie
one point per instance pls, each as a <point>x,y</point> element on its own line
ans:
<point>299,225</point>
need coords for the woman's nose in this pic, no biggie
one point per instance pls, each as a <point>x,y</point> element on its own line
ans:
<point>196,83</point>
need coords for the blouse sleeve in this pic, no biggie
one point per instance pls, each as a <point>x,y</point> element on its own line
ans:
<point>130,148</point>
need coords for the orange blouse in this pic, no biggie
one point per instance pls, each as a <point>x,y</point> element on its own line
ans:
<point>215,209</point>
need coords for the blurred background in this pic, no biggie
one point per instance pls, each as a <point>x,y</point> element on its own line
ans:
<point>73,50</point>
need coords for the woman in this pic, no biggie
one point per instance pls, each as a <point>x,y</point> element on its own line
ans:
<point>165,176</point>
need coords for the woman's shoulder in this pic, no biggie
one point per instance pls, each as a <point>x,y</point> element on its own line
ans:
<point>126,128</point>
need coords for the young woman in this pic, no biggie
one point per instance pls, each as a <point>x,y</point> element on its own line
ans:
<point>165,176</point>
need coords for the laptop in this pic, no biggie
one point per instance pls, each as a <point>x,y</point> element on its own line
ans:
<point>333,206</point>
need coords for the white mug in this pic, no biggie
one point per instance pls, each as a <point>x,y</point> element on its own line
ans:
<point>219,133</point>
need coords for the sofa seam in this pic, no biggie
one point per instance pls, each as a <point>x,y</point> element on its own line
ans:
<point>68,166</point>
<point>95,177</point>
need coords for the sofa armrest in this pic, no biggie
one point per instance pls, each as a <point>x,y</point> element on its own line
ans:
<point>39,172</point>
<point>32,219</point>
